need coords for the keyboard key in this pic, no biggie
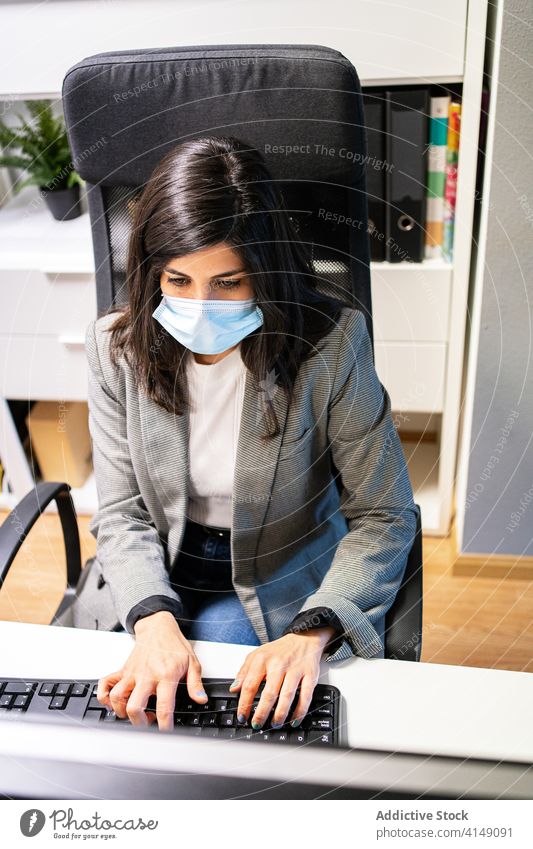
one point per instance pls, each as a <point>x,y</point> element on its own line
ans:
<point>6,701</point>
<point>58,703</point>
<point>63,689</point>
<point>315,736</point>
<point>19,687</point>
<point>227,733</point>
<point>297,736</point>
<point>94,714</point>
<point>227,719</point>
<point>79,689</point>
<point>209,719</point>
<point>264,735</point>
<point>47,689</point>
<point>110,716</point>
<point>94,703</point>
<point>323,724</point>
<point>191,719</point>
<point>322,697</point>
<point>23,701</point>
<point>279,736</point>
<point>243,733</point>
<point>190,730</point>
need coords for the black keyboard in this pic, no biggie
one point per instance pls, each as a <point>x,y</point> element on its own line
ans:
<point>73,700</point>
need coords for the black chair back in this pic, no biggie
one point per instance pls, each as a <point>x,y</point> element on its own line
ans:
<point>300,105</point>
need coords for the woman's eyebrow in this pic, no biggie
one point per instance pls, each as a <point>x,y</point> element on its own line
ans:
<point>222,274</point>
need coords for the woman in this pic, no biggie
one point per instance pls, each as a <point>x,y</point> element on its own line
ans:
<point>217,400</point>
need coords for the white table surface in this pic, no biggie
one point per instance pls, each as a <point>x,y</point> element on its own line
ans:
<point>390,705</point>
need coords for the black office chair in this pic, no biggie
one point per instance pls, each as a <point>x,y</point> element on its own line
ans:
<point>302,107</point>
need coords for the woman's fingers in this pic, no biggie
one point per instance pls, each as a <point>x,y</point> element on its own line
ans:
<point>307,688</point>
<point>136,705</point>
<point>269,695</point>
<point>105,684</point>
<point>119,695</point>
<point>249,687</point>
<point>285,697</point>
<point>195,686</point>
<point>165,704</point>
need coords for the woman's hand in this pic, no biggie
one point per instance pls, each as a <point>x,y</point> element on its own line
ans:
<point>159,660</point>
<point>289,662</point>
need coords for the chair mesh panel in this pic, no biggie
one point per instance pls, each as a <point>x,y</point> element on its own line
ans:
<point>119,204</point>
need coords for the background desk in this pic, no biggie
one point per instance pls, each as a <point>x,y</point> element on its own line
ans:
<point>389,705</point>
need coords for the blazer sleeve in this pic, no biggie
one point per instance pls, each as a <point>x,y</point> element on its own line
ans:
<point>128,544</point>
<point>376,499</point>
<point>318,617</point>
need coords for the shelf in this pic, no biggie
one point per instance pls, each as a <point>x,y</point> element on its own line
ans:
<point>436,264</point>
<point>31,238</point>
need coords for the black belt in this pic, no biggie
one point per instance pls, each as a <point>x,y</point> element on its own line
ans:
<point>211,530</point>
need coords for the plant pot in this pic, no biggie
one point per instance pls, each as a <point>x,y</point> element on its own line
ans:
<point>64,204</point>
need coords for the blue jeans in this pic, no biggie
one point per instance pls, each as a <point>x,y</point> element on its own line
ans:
<point>201,576</point>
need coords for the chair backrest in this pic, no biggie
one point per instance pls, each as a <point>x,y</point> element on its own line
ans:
<point>300,105</point>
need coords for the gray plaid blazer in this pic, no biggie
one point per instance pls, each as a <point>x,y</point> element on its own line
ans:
<point>296,544</point>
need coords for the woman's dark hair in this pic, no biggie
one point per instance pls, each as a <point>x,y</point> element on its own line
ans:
<point>206,191</point>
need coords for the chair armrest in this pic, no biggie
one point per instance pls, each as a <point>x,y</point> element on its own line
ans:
<point>20,520</point>
<point>403,621</point>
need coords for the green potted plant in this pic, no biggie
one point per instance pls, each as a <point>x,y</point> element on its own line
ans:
<point>41,148</point>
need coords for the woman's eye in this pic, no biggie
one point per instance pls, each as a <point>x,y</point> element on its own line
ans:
<point>228,284</point>
<point>224,284</point>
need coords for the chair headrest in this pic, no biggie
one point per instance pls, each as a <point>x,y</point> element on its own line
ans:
<point>300,105</point>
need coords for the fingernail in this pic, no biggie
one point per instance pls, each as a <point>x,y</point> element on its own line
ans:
<point>235,683</point>
<point>201,694</point>
<point>295,723</point>
<point>241,717</point>
<point>276,724</point>
<point>256,725</point>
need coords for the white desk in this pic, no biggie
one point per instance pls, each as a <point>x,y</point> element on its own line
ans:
<point>390,705</point>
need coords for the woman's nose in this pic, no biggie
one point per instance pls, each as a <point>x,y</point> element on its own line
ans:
<point>205,292</point>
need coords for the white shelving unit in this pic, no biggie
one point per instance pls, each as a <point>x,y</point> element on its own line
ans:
<point>48,297</point>
<point>419,309</point>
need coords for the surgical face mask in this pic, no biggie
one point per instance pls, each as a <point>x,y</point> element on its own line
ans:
<point>208,326</point>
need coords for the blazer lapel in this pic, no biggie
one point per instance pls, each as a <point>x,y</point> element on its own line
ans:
<point>255,466</point>
<point>255,463</point>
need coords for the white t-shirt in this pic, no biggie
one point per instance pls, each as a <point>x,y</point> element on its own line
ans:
<point>217,393</point>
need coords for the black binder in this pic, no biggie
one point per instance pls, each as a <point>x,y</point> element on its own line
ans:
<point>374,109</point>
<point>407,125</point>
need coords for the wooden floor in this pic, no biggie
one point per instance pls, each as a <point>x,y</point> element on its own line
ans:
<point>483,622</point>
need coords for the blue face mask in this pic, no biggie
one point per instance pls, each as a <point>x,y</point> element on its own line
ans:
<point>208,326</point>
